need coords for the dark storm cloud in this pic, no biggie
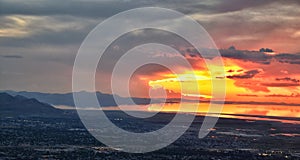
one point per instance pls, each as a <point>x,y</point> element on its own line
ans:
<point>245,55</point>
<point>57,7</point>
<point>94,8</point>
<point>281,84</point>
<point>283,95</point>
<point>261,57</point>
<point>98,8</point>
<point>288,79</point>
<point>254,56</point>
<point>247,95</point>
<point>245,75</point>
<point>216,6</point>
<point>288,58</point>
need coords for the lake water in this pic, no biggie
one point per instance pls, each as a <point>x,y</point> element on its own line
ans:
<point>285,114</point>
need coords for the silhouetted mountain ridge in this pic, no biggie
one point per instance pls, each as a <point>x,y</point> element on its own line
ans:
<point>22,106</point>
<point>108,99</point>
<point>67,98</point>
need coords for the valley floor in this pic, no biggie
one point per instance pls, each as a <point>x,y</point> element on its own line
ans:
<point>66,138</point>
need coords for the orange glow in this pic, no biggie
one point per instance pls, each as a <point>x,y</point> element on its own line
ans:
<point>241,111</point>
<point>233,110</point>
<point>274,85</point>
<point>263,86</point>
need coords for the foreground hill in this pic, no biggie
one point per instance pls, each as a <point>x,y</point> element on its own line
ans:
<point>22,106</point>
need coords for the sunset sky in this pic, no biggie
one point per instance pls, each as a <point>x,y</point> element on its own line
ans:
<point>39,40</point>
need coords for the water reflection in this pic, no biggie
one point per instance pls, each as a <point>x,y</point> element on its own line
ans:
<point>285,114</point>
<point>240,109</point>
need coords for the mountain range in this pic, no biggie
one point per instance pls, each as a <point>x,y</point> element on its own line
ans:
<point>67,98</point>
<point>23,106</point>
<point>104,99</point>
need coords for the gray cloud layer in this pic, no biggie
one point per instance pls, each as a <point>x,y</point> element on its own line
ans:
<point>12,56</point>
<point>49,32</point>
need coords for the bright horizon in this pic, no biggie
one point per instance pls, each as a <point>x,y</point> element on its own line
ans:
<point>38,48</point>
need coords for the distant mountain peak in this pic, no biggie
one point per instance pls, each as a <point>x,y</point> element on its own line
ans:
<point>22,106</point>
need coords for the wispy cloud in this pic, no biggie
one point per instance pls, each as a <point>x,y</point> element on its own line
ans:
<point>12,56</point>
<point>245,75</point>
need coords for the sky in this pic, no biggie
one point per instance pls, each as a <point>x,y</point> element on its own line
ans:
<point>39,40</point>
